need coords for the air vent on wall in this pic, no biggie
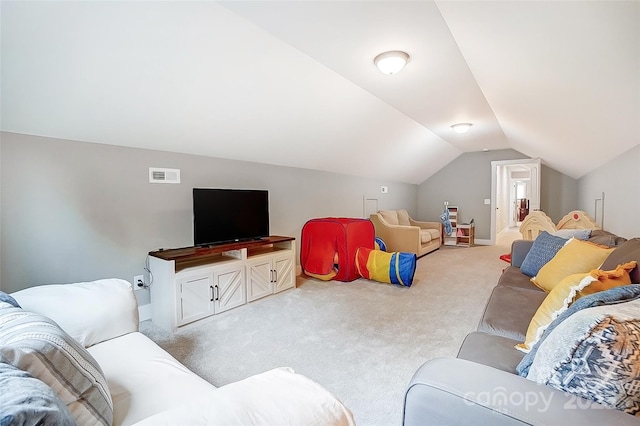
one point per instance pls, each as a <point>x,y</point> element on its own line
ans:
<point>159,175</point>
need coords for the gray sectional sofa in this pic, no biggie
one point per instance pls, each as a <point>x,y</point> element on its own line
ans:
<point>481,385</point>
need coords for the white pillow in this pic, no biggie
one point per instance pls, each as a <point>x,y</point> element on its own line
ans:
<point>90,312</point>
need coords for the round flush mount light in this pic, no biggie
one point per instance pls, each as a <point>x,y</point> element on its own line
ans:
<point>461,127</point>
<point>391,62</point>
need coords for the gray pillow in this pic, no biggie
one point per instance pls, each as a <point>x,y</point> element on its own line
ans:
<point>27,401</point>
<point>544,247</point>
<point>624,253</point>
<point>607,297</point>
<point>36,344</point>
<point>580,234</point>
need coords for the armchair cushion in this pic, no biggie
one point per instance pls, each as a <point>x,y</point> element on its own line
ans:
<point>425,236</point>
<point>390,216</point>
<point>403,218</point>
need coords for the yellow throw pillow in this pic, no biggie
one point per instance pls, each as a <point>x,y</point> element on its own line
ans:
<point>574,257</point>
<point>568,291</point>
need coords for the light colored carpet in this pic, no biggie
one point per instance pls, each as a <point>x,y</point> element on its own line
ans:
<point>361,340</point>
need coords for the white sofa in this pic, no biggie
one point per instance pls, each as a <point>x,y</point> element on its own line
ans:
<point>149,387</point>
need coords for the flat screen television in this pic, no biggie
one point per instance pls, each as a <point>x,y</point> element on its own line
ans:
<point>226,215</point>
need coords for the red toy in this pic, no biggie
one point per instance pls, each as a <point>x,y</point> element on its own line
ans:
<point>328,247</point>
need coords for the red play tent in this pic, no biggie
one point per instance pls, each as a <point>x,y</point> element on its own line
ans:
<point>328,246</point>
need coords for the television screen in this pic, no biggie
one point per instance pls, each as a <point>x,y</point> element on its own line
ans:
<point>225,215</point>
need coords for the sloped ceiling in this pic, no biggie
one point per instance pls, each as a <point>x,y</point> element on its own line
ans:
<point>293,82</point>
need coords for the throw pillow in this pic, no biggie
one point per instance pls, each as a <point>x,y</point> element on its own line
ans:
<point>543,249</point>
<point>390,216</point>
<point>593,354</point>
<point>626,252</point>
<point>34,343</point>
<point>27,401</point>
<point>574,257</point>
<point>607,297</point>
<point>606,238</point>
<point>6,298</point>
<point>581,234</point>
<point>566,292</point>
<point>403,218</point>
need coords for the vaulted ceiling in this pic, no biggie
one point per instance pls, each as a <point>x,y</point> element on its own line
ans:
<point>293,82</point>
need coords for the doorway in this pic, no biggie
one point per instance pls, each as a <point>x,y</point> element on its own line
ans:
<point>515,191</point>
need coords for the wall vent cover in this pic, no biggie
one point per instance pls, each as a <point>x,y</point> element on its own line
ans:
<point>160,175</point>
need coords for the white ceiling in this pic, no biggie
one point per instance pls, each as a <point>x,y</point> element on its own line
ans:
<point>293,82</point>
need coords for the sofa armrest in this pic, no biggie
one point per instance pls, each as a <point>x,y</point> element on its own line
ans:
<point>90,312</point>
<point>519,250</point>
<point>275,397</point>
<point>457,391</point>
<point>400,238</point>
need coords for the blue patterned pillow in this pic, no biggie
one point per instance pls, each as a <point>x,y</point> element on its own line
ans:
<point>25,400</point>
<point>594,354</point>
<point>544,247</point>
<point>4,297</point>
<point>608,297</point>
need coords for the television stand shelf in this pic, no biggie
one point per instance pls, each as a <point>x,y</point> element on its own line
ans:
<point>192,283</point>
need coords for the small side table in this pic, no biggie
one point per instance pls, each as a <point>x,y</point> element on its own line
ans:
<point>465,234</point>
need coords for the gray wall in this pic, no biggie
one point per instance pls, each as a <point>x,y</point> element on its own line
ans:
<point>465,182</point>
<point>619,179</point>
<point>558,193</point>
<point>75,211</point>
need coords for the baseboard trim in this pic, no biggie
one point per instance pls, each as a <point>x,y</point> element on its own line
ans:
<point>144,312</point>
<point>482,242</point>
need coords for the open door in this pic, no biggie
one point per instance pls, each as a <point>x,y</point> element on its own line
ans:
<point>505,176</point>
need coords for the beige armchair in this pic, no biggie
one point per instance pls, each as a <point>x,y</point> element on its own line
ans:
<point>401,233</point>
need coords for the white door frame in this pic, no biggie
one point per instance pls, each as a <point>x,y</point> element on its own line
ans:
<point>535,187</point>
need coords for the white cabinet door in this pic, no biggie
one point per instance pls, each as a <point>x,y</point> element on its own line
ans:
<point>259,277</point>
<point>195,298</point>
<point>285,277</point>
<point>229,288</point>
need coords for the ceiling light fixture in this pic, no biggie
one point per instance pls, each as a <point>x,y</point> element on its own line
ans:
<point>391,62</point>
<point>461,127</point>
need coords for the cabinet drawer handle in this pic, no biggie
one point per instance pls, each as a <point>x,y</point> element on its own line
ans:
<point>217,292</point>
<point>212,292</point>
<point>275,276</point>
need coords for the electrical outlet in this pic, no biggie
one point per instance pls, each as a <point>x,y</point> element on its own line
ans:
<point>138,282</point>
<point>384,189</point>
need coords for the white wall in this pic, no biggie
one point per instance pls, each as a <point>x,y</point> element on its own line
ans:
<point>76,211</point>
<point>620,181</point>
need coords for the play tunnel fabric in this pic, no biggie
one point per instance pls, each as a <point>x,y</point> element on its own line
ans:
<point>379,244</point>
<point>393,268</point>
<point>328,247</point>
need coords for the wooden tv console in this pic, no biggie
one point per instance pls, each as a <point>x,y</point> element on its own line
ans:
<point>193,283</point>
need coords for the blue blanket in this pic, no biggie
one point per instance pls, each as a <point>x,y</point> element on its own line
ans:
<point>444,217</point>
